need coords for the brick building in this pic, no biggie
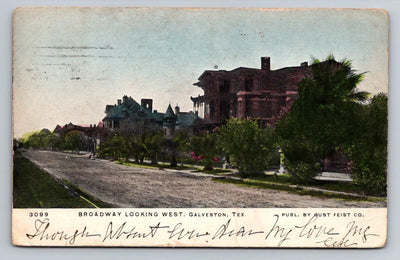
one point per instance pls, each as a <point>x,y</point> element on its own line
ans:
<point>248,93</point>
<point>263,93</point>
<point>90,134</point>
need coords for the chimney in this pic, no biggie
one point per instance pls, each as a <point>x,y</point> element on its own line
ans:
<point>119,102</point>
<point>304,64</point>
<point>266,63</point>
<point>177,110</point>
<point>147,103</point>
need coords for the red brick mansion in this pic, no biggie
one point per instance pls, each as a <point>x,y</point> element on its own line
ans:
<point>248,93</point>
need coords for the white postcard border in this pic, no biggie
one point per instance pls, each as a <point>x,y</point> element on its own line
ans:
<point>205,227</point>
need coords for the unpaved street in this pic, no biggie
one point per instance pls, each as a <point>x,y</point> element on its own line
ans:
<point>130,187</point>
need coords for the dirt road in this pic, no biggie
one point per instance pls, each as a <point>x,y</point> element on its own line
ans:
<point>130,187</point>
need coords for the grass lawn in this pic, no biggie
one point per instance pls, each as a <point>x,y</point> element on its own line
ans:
<point>215,171</point>
<point>284,183</point>
<point>160,165</point>
<point>157,166</point>
<point>321,184</point>
<point>34,188</point>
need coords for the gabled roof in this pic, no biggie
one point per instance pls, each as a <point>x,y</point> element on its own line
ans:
<point>186,119</point>
<point>126,109</point>
<point>115,113</point>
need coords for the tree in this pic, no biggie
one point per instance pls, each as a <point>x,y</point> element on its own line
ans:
<point>128,146</point>
<point>205,147</point>
<point>138,149</point>
<point>73,140</point>
<point>152,143</point>
<point>251,148</point>
<point>59,143</point>
<point>369,151</point>
<point>113,146</point>
<point>43,139</point>
<point>323,117</point>
<point>181,143</point>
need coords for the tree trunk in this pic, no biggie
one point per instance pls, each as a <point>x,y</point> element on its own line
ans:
<point>173,162</point>
<point>208,168</point>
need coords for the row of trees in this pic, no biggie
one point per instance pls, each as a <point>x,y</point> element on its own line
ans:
<point>250,148</point>
<point>45,139</point>
<point>147,145</point>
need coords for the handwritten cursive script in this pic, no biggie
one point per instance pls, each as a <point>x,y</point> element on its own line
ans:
<point>277,234</point>
<point>41,231</point>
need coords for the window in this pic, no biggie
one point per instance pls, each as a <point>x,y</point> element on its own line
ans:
<point>248,106</point>
<point>248,84</point>
<point>224,88</point>
<point>212,107</point>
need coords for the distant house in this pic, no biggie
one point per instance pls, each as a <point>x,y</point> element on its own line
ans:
<point>263,93</point>
<point>90,134</point>
<point>128,116</point>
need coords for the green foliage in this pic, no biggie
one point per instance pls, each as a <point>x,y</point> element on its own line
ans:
<point>206,146</point>
<point>328,104</point>
<point>302,172</point>
<point>251,148</point>
<point>43,139</point>
<point>323,119</point>
<point>59,143</point>
<point>125,146</point>
<point>114,146</point>
<point>301,156</point>
<point>152,143</point>
<point>181,143</point>
<point>369,150</point>
<point>73,140</point>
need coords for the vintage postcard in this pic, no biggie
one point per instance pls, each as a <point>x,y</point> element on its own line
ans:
<point>200,127</point>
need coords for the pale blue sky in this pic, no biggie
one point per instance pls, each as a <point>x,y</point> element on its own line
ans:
<point>70,63</point>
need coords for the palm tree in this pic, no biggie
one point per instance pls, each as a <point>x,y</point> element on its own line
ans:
<point>325,116</point>
<point>331,85</point>
<point>329,102</point>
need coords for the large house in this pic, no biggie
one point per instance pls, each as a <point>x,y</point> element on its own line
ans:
<point>134,118</point>
<point>262,93</point>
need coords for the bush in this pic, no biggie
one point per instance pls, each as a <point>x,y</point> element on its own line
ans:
<point>251,148</point>
<point>301,159</point>
<point>302,172</point>
<point>205,148</point>
<point>370,175</point>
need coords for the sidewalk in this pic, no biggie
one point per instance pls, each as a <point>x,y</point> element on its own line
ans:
<point>334,176</point>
